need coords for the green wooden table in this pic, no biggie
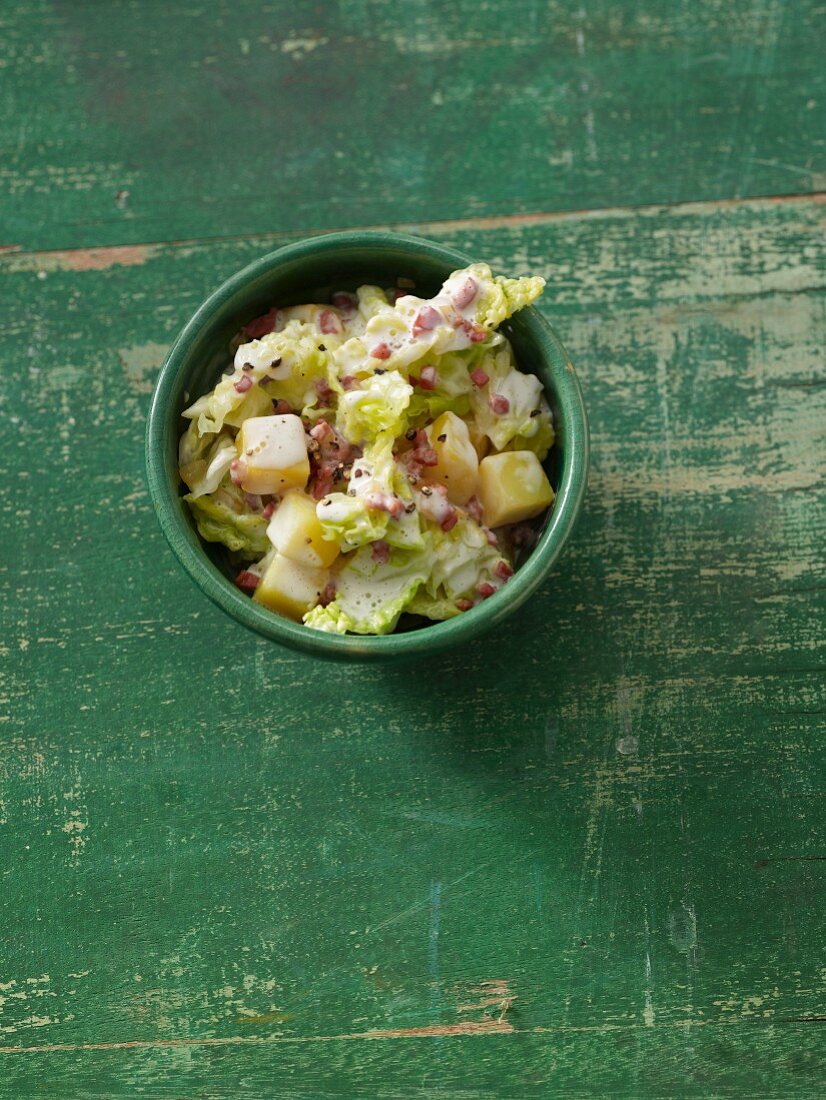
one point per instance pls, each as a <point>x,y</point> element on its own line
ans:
<point>585,857</point>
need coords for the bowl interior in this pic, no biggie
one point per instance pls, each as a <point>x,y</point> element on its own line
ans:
<point>309,272</point>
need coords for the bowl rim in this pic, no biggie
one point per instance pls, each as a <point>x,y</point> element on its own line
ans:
<point>186,544</point>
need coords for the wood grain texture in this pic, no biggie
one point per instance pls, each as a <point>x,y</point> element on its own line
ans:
<point>586,857</point>
<point>158,121</point>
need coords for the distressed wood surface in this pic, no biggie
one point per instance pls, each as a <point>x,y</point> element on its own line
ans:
<point>594,866</point>
<point>133,122</point>
<point>585,857</point>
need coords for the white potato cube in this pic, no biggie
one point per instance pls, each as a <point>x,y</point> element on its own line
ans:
<point>458,465</point>
<point>273,454</point>
<point>295,532</point>
<point>513,487</point>
<point>290,589</point>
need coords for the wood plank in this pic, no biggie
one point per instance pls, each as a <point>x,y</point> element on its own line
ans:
<point>620,828</point>
<point>175,121</point>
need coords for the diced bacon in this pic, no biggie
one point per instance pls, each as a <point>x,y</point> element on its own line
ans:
<point>477,333</point>
<point>484,589</point>
<point>329,593</point>
<point>427,378</point>
<point>268,511</point>
<point>423,453</point>
<point>380,552</point>
<point>464,605</point>
<point>247,581</point>
<point>474,509</point>
<point>499,404</point>
<point>281,408</point>
<point>252,501</point>
<point>243,384</point>
<point>321,430</point>
<point>347,303</point>
<point>465,293</point>
<point>381,351</point>
<point>502,570</point>
<point>491,537</point>
<point>237,471</point>
<point>478,377</point>
<point>260,326</point>
<point>329,323</point>
<point>349,382</point>
<point>322,388</point>
<point>426,320</point>
<point>384,502</point>
<point>450,520</point>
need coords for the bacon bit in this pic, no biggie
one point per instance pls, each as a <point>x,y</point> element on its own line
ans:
<point>464,605</point>
<point>423,453</point>
<point>427,378</point>
<point>477,333</point>
<point>253,501</point>
<point>426,320</point>
<point>321,430</point>
<point>347,303</point>
<point>380,551</point>
<point>268,511</point>
<point>502,570</point>
<point>329,323</point>
<point>384,502</point>
<point>247,581</point>
<point>485,590</point>
<point>474,509</point>
<point>499,404</point>
<point>491,537</point>
<point>322,388</point>
<point>260,326</point>
<point>466,293</point>
<point>243,384</point>
<point>349,382</point>
<point>329,593</point>
<point>281,408</point>
<point>478,377</point>
<point>381,351</point>
<point>237,471</point>
<point>450,520</point>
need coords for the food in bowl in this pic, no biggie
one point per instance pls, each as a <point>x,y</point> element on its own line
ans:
<point>375,457</point>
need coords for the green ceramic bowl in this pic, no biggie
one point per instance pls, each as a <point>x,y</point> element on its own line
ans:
<point>306,272</point>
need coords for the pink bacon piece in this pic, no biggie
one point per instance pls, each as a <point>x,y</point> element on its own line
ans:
<point>260,326</point>
<point>465,293</point>
<point>426,320</point>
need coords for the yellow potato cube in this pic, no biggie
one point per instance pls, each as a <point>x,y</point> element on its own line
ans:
<point>289,588</point>
<point>273,452</point>
<point>458,465</point>
<point>296,533</point>
<point>513,487</point>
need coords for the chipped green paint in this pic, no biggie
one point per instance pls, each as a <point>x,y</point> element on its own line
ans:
<point>159,122</point>
<point>589,859</point>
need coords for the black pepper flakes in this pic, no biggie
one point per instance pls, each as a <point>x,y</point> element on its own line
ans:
<point>275,363</point>
<point>247,366</point>
<point>322,347</point>
<point>410,434</point>
<point>535,412</point>
<point>441,438</point>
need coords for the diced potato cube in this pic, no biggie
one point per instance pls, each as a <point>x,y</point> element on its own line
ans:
<point>289,588</point>
<point>458,465</point>
<point>513,487</point>
<point>296,533</point>
<point>273,451</point>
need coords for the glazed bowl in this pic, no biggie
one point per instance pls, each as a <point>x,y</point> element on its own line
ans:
<point>307,271</point>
